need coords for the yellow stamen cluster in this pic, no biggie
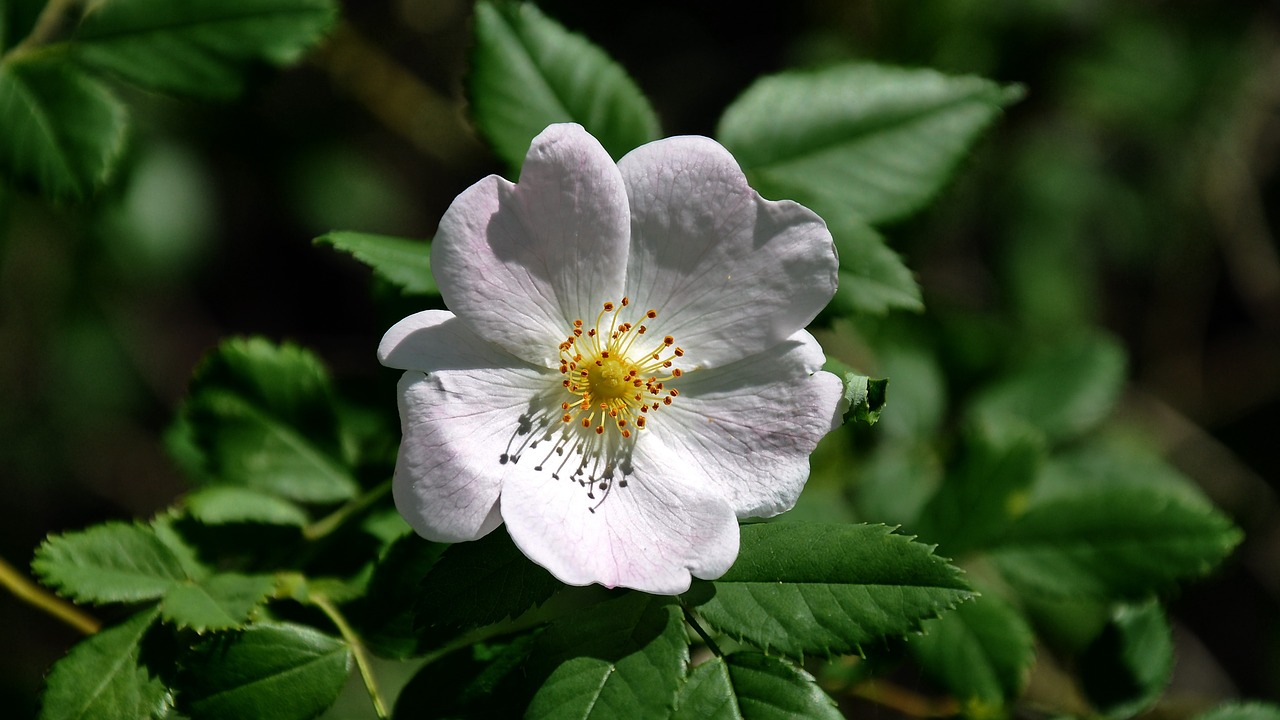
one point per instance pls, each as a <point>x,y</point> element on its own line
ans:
<point>616,383</point>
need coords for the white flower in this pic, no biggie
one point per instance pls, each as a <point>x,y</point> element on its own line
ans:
<point>624,372</point>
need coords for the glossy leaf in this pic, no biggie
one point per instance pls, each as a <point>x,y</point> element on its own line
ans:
<point>1123,543</point>
<point>112,562</point>
<point>810,588</point>
<point>64,132</point>
<point>859,141</point>
<point>981,652</point>
<point>622,658</point>
<point>402,262</point>
<point>219,602</point>
<point>278,671</point>
<point>198,47</point>
<point>752,686</point>
<point>102,678</point>
<point>528,72</point>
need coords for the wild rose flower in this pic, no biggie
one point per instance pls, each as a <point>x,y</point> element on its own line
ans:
<point>624,372</point>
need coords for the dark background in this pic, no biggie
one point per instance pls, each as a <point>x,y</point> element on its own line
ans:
<point>1134,189</point>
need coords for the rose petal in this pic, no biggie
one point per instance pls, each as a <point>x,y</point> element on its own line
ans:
<point>518,263</point>
<point>729,272</point>
<point>748,428</point>
<point>651,534</point>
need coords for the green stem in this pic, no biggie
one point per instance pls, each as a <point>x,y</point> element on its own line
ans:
<point>357,650</point>
<point>46,601</point>
<point>334,520</point>
<point>48,24</point>
<point>693,622</point>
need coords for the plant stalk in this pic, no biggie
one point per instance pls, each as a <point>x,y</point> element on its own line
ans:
<point>357,650</point>
<point>46,601</point>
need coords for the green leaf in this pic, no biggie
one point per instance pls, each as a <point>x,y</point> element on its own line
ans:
<point>860,141</point>
<point>1129,664</point>
<point>225,504</point>
<point>64,132</point>
<point>112,562</point>
<point>479,583</point>
<point>102,678</point>
<point>220,602</point>
<point>983,493</point>
<point>198,47</point>
<point>262,416</point>
<point>402,262</point>
<point>387,615</point>
<point>1242,711</point>
<point>17,17</point>
<point>1064,394</point>
<point>873,278</point>
<point>752,686</point>
<point>863,398</point>
<point>478,682</point>
<point>981,652</point>
<point>621,658</point>
<point>810,588</point>
<point>1122,543</point>
<point>277,671</point>
<point>528,72</point>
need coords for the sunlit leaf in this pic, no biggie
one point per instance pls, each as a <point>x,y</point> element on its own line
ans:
<point>112,562</point>
<point>528,72</point>
<point>402,262</point>
<point>817,589</point>
<point>223,504</point>
<point>218,602</point>
<point>101,678</point>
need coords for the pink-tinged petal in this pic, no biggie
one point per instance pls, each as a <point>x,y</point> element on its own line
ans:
<point>519,263</point>
<point>459,423</point>
<point>748,428</point>
<point>729,272</point>
<point>649,530</point>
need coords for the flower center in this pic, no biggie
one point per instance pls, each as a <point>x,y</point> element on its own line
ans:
<point>616,376</point>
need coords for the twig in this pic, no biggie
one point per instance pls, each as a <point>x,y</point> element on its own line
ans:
<point>46,601</point>
<point>357,650</point>
<point>334,520</point>
<point>693,622</point>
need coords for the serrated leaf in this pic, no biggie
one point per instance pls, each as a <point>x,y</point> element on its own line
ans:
<point>982,494</point>
<point>981,652</point>
<point>752,686</point>
<point>219,602</point>
<point>811,588</point>
<point>865,141</point>
<point>873,278</point>
<point>528,72</point>
<point>1242,711</point>
<point>262,416</point>
<point>1064,394</point>
<point>386,616</point>
<point>112,562</point>
<point>1122,543</point>
<point>64,131</point>
<point>402,262</point>
<point>621,658</point>
<point>478,583</point>
<point>1128,665</point>
<point>102,678</point>
<point>479,682</point>
<point>279,671</point>
<point>197,47</point>
<point>224,504</point>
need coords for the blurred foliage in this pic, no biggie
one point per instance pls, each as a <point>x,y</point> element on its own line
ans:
<point>1129,201</point>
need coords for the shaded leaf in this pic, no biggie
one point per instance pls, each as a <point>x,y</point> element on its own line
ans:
<point>219,602</point>
<point>402,262</point>
<point>1128,665</point>
<point>621,658</point>
<point>112,562</point>
<point>873,278</point>
<point>279,671</point>
<point>224,504</point>
<point>479,682</point>
<point>64,132</point>
<point>528,72</point>
<point>752,686</point>
<point>863,398</point>
<point>198,47</point>
<point>102,678</point>
<point>387,614</point>
<point>810,588</point>
<point>1242,711</point>
<point>858,141</point>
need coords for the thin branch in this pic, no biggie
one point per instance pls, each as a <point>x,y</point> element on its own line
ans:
<point>334,520</point>
<point>47,27</point>
<point>357,650</point>
<point>693,622</point>
<point>904,701</point>
<point>51,604</point>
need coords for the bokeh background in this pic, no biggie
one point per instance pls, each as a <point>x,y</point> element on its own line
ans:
<point>1135,189</point>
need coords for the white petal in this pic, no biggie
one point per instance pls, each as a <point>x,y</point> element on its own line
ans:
<point>748,428</point>
<point>729,272</point>
<point>520,262</point>
<point>651,534</point>
<point>460,424</point>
